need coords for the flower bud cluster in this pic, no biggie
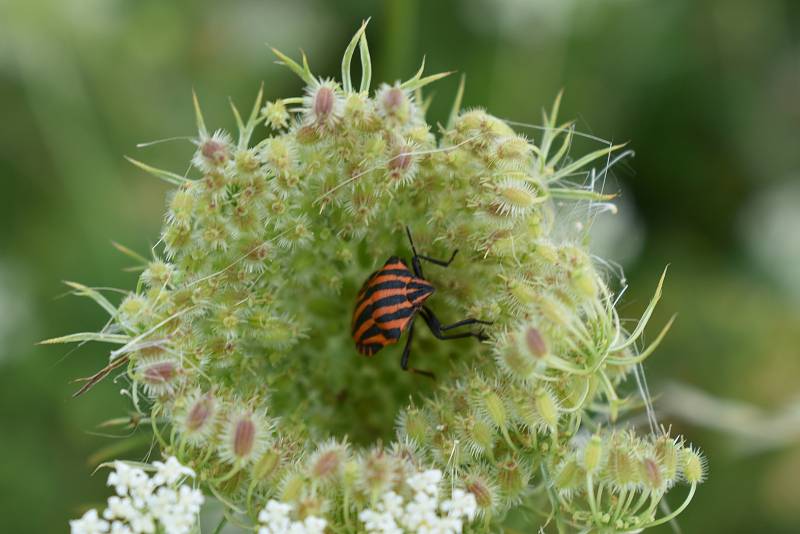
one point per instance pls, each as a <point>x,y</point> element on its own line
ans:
<point>616,480</point>
<point>237,342</point>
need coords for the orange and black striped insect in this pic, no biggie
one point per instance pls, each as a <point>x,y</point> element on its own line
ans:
<point>389,302</point>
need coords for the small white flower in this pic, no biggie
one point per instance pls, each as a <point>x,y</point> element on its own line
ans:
<point>90,523</point>
<point>120,508</point>
<point>171,471</point>
<point>392,504</point>
<point>275,520</point>
<point>461,504</point>
<point>314,525</point>
<point>382,523</point>
<point>127,479</point>
<point>143,523</point>
<point>118,527</point>
<point>146,505</point>
<point>427,482</point>
<point>191,498</point>
<point>423,513</point>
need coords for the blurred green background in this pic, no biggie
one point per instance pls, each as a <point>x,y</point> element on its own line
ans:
<point>706,91</point>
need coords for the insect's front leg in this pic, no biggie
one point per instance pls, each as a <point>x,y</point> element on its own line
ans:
<point>437,328</point>
<point>416,257</point>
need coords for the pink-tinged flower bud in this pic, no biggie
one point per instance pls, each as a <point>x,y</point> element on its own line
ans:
<point>323,102</point>
<point>245,437</point>
<point>651,475</point>
<point>213,152</point>
<point>394,104</point>
<point>535,342</point>
<point>392,99</point>
<point>200,414</point>
<point>196,416</point>
<point>401,161</point>
<point>402,166</point>
<point>485,492</point>
<point>160,373</point>
<point>326,463</point>
<point>323,106</point>
<point>159,376</point>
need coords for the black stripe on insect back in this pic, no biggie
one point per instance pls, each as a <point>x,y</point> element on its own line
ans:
<point>418,285</point>
<point>375,330</point>
<point>394,272</point>
<point>402,313</point>
<point>376,306</point>
<point>389,284</point>
<point>417,295</point>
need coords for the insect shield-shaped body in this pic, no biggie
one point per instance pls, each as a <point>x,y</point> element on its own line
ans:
<point>386,305</point>
<point>389,302</point>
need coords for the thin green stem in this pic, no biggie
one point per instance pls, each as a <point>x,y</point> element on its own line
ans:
<point>677,511</point>
<point>222,522</point>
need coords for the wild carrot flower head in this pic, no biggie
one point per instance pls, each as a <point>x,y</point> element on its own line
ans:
<point>237,345</point>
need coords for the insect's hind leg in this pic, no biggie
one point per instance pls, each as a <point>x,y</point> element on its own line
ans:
<point>437,328</point>
<point>407,353</point>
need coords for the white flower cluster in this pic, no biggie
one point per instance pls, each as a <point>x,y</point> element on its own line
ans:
<point>145,505</point>
<point>274,519</point>
<point>424,513</point>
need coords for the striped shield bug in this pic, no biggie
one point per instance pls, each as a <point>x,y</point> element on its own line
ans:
<point>389,302</point>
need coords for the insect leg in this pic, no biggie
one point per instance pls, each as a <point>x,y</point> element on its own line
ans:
<point>436,326</point>
<point>443,263</point>
<point>463,322</point>
<point>415,259</point>
<point>406,354</point>
<point>407,348</point>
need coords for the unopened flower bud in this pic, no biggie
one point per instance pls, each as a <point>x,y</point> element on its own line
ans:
<point>512,478</point>
<point>650,474</point>
<point>245,437</point>
<point>621,468</point>
<point>515,198</point>
<point>495,409</point>
<point>694,466</point>
<point>326,463</point>
<point>160,376</point>
<point>592,454</point>
<point>484,492</point>
<point>548,409</point>
<point>569,477</point>
<point>535,342</point>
